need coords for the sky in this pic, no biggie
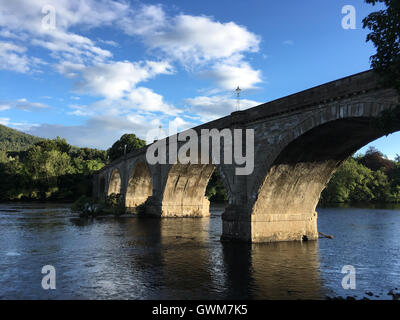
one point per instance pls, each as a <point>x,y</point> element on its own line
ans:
<point>92,70</point>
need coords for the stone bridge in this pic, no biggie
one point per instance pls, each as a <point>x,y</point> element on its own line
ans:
<point>299,142</point>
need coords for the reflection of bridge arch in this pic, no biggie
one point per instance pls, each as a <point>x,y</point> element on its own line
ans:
<point>140,186</point>
<point>114,186</point>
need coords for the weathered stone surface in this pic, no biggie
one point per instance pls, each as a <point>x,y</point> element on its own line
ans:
<point>300,141</point>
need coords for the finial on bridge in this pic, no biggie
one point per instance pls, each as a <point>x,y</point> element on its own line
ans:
<point>238,90</point>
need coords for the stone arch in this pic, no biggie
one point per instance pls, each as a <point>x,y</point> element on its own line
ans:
<point>184,191</point>
<point>292,187</point>
<point>140,186</point>
<point>290,181</point>
<point>114,186</point>
<point>329,114</point>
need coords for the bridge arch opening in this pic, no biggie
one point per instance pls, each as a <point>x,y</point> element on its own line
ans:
<point>216,190</point>
<point>185,190</point>
<point>291,189</point>
<point>114,185</point>
<point>140,186</point>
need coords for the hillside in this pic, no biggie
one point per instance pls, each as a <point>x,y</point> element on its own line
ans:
<point>14,140</point>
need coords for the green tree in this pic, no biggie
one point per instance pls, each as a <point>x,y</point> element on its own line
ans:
<point>375,160</point>
<point>130,141</point>
<point>351,183</point>
<point>385,35</point>
<point>354,182</point>
<point>47,169</point>
<point>216,191</point>
<point>3,156</point>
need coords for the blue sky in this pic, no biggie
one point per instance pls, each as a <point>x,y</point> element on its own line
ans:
<point>105,68</point>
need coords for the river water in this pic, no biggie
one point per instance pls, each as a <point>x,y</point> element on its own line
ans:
<point>132,258</point>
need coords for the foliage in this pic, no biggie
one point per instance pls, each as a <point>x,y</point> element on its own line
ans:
<point>215,191</point>
<point>385,35</point>
<point>49,169</point>
<point>115,203</point>
<point>130,141</point>
<point>375,160</point>
<point>90,207</point>
<point>364,179</point>
<point>388,121</point>
<point>13,140</point>
<point>86,206</point>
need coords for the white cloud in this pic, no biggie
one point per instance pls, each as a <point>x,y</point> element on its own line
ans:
<point>108,42</point>
<point>12,57</point>
<point>26,105</point>
<point>214,107</point>
<point>145,99</point>
<point>117,79</point>
<point>69,69</point>
<point>192,40</point>
<point>198,39</point>
<point>140,100</point>
<point>23,104</point>
<point>22,14</point>
<point>199,42</point>
<point>22,20</point>
<point>4,121</point>
<point>228,76</point>
<point>214,49</point>
<point>144,20</point>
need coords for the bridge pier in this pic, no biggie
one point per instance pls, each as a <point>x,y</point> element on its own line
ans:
<point>237,226</point>
<point>158,208</point>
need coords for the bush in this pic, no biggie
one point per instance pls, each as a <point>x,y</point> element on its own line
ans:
<point>87,206</point>
<point>115,204</point>
<point>91,207</point>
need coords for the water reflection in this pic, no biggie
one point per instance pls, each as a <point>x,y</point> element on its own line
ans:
<point>288,270</point>
<point>131,258</point>
<point>182,259</point>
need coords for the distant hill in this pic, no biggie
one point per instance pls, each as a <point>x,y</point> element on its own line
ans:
<point>12,140</point>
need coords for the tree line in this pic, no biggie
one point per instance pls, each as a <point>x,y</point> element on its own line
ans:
<point>55,170</point>
<point>48,170</point>
<point>367,178</point>
<point>32,168</point>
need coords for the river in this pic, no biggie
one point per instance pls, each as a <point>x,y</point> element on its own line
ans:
<point>132,258</point>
